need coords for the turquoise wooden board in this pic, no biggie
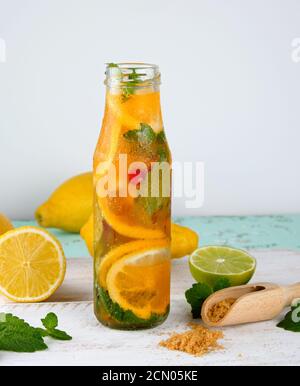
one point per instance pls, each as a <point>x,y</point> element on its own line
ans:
<point>247,232</point>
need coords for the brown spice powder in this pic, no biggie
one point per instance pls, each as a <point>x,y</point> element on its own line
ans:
<point>219,310</point>
<point>196,341</point>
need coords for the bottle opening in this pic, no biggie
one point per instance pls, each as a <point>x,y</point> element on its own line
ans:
<point>136,75</point>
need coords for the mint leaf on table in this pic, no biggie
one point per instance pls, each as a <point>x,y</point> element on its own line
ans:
<point>291,321</point>
<point>18,336</point>
<point>199,292</point>
<point>58,334</point>
<point>50,322</point>
<point>196,296</point>
<point>221,283</point>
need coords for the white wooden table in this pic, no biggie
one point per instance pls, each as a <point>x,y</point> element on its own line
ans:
<point>93,344</point>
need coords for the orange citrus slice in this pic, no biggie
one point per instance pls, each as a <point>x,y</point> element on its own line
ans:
<point>139,108</point>
<point>119,252</point>
<point>32,264</point>
<point>119,224</point>
<point>140,281</point>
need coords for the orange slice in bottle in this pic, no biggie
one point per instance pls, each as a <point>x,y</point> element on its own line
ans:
<point>139,108</point>
<point>119,252</point>
<point>139,282</point>
<point>121,224</point>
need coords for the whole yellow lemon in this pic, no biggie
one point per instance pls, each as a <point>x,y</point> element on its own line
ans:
<point>5,224</point>
<point>69,206</point>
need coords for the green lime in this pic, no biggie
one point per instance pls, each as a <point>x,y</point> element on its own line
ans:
<point>209,264</point>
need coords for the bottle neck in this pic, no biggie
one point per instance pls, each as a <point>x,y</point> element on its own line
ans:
<point>129,92</point>
<point>132,78</point>
<point>133,95</point>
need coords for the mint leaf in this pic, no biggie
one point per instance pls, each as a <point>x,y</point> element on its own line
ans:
<point>131,135</point>
<point>112,65</point>
<point>145,135</point>
<point>50,321</point>
<point>161,137</point>
<point>127,92</point>
<point>153,204</point>
<point>291,321</point>
<point>199,292</point>
<point>133,80</point>
<point>18,336</point>
<point>196,296</point>
<point>162,154</point>
<point>221,283</point>
<point>58,334</point>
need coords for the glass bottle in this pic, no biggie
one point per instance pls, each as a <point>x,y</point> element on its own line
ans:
<point>132,202</point>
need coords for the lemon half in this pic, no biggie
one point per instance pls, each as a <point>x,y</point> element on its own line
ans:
<point>32,264</point>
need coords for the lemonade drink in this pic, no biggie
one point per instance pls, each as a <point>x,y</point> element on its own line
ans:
<point>132,206</point>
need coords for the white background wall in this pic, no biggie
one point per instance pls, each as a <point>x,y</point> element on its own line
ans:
<point>230,94</point>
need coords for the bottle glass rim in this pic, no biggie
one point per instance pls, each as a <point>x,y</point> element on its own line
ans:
<point>135,74</point>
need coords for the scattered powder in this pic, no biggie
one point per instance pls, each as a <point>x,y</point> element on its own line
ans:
<point>196,341</point>
<point>219,310</point>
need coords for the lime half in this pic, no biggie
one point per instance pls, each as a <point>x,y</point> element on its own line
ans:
<point>209,264</point>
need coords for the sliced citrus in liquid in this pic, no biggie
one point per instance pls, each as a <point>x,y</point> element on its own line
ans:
<point>143,107</point>
<point>121,224</point>
<point>140,282</point>
<point>32,264</point>
<point>121,251</point>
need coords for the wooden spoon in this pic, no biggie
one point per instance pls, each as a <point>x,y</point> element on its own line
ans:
<point>254,303</point>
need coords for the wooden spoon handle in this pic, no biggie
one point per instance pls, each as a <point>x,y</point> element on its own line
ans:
<point>292,292</point>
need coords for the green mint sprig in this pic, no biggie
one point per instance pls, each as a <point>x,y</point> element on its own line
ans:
<point>145,135</point>
<point>50,322</point>
<point>18,336</point>
<point>130,81</point>
<point>199,292</point>
<point>291,321</point>
<point>134,79</point>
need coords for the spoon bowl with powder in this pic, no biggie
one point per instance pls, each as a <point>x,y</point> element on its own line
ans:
<point>247,303</point>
